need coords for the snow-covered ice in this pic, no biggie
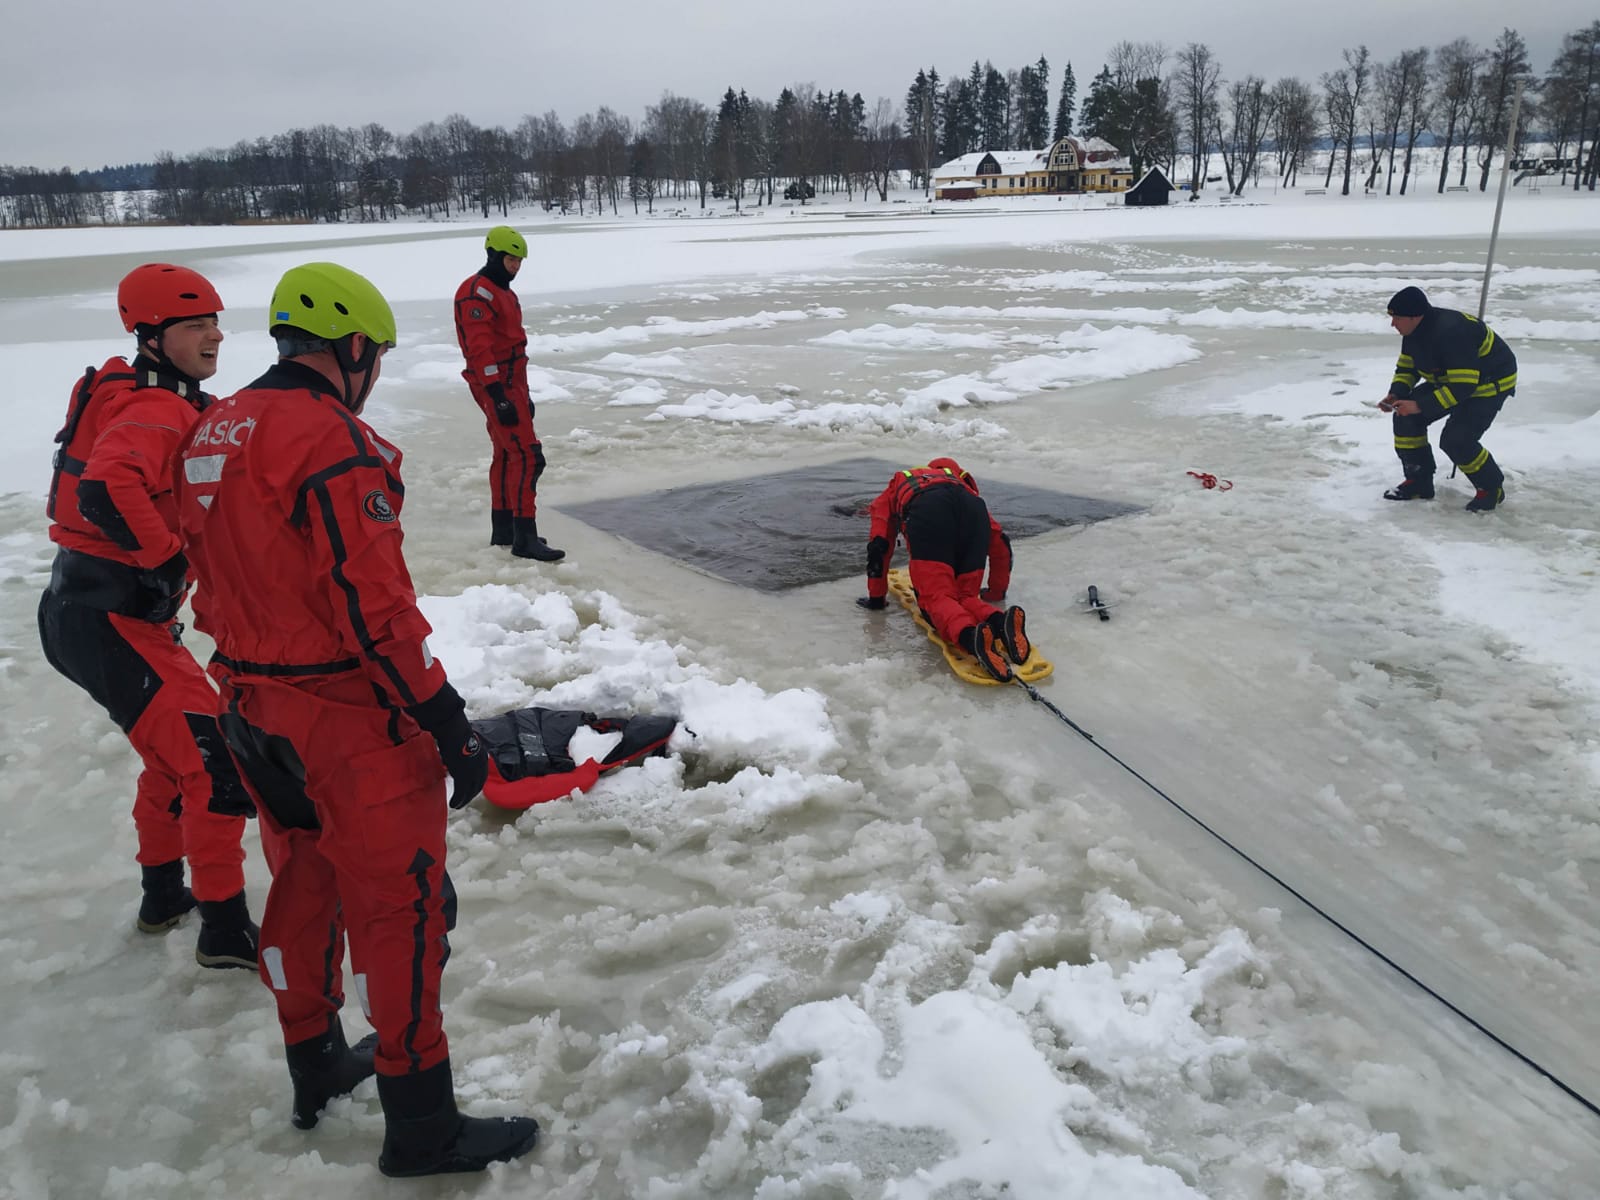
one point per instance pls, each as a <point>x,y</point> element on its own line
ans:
<point>869,932</point>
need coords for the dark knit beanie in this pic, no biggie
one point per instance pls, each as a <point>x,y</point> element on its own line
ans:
<point>1409,302</point>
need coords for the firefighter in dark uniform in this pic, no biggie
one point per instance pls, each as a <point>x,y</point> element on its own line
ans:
<point>950,535</point>
<point>495,344</point>
<point>108,619</point>
<point>1455,368</point>
<point>342,722</point>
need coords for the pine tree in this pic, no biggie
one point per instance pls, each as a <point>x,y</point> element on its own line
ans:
<point>994,99</point>
<point>972,110</point>
<point>1069,95</point>
<point>1036,106</point>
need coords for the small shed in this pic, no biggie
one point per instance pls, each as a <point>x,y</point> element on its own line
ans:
<point>1154,188</point>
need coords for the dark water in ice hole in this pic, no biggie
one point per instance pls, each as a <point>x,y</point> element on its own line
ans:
<point>792,528</point>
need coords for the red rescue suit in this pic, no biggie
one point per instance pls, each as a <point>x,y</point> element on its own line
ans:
<point>495,344</point>
<point>949,536</point>
<point>290,507</point>
<point>107,619</point>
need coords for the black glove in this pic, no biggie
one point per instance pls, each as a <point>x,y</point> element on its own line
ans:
<point>229,798</point>
<point>444,715</point>
<point>873,602</point>
<point>877,557</point>
<point>163,589</point>
<point>504,410</point>
<point>228,795</point>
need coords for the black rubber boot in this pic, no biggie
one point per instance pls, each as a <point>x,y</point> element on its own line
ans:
<point>1420,488</point>
<point>324,1067</point>
<point>228,937</point>
<point>1488,480</point>
<point>526,542</point>
<point>499,527</point>
<point>166,898</point>
<point>1487,500</point>
<point>425,1134</point>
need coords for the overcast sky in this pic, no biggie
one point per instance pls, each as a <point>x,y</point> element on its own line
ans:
<point>84,83</point>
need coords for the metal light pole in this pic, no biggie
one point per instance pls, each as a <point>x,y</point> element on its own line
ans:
<point>1500,201</point>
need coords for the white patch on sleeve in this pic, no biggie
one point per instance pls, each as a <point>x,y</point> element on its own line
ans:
<point>427,656</point>
<point>492,369</point>
<point>485,292</point>
<point>272,959</point>
<point>206,468</point>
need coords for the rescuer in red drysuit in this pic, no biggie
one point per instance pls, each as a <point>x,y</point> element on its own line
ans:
<point>108,619</point>
<point>341,720</point>
<point>495,344</point>
<point>949,536</point>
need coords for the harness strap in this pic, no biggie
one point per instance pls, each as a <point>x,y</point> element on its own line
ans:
<point>244,667</point>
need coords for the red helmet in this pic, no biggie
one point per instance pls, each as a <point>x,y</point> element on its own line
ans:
<point>158,293</point>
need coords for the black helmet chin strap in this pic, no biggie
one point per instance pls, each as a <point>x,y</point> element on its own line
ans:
<point>350,365</point>
<point>164,365</point>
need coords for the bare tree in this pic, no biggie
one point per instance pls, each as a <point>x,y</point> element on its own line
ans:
<point>1414,112</point>
<point>1243,130</point>
<point>1456,72</point>
<point>881,141</point>
<point>1345,90</point>
<point>1395,85</point>
<point>1294,125</point>
<point>1338,120</point>
<point>609,163</point>
<point>1196,78</point>
<point>1570,106</point>
<point>1506,60</point>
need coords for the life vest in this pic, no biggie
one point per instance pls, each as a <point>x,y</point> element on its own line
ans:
<point>529,752</point>
<point>72,450</point>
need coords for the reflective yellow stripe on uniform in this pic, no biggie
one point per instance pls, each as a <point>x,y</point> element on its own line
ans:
<point>1495,387</point>
<point>1487,344</point>
<point>1404,372</point>
<point>1445,397</point>
<point>1476,465</point>
<point>1410,443</point>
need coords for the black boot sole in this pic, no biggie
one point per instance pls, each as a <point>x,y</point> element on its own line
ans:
<point>166,926</point>
<point>225,962</point>
<point>461,1166</point>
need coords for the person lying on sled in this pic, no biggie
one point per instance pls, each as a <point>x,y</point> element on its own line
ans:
<point>949,536</point>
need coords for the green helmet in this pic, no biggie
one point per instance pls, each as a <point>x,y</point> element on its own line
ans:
<point>329,301</point>
<point>506,240</point>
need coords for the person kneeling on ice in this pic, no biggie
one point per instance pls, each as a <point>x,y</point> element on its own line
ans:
<point>949,535</point>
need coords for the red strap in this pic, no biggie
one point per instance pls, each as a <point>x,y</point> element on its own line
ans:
<point>1211,481</point>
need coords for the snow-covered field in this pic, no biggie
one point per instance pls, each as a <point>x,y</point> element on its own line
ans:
<point>871,932</point>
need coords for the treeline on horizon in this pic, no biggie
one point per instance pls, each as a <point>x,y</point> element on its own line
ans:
<point>1156,107</point>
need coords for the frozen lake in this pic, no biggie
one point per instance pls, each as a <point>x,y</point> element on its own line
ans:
<point>873,932</point>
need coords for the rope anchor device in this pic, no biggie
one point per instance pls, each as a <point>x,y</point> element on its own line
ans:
<point>1208,481</point>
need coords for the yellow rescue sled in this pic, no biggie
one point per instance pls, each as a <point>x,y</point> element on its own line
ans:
<point>963,664</point>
